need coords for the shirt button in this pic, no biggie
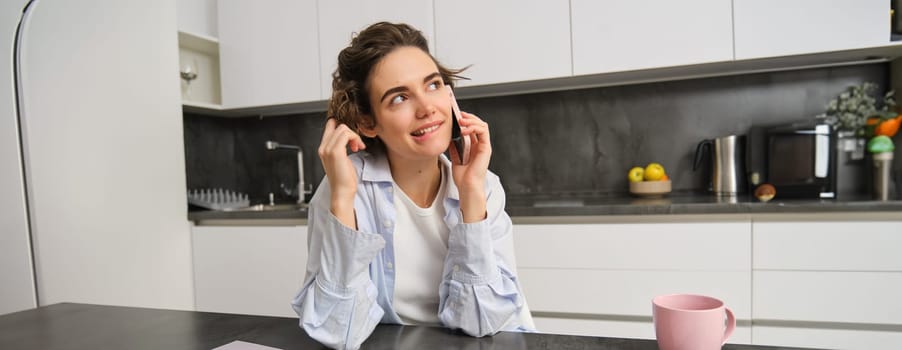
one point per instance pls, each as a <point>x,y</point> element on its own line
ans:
<point>386,223</point>
<point>456,268</point>
<point>390,189</point>
<point>389,265</point>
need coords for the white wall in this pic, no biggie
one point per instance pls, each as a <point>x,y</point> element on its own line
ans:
<point>198,17</point>
<point>16,279</point>
<point>104,154</point>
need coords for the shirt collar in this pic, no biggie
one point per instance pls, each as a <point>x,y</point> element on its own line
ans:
<point>452,187</point>
<point>376,169</point>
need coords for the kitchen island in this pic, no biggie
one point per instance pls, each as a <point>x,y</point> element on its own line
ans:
<point>83,326</point>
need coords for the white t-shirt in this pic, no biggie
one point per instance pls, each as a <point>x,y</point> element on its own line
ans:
<point>421,245</point>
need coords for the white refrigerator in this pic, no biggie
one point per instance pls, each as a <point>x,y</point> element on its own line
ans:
<point>93,204</point>
<point>17,290</point>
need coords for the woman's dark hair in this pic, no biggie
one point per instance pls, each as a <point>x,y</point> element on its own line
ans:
<point>350,103</point>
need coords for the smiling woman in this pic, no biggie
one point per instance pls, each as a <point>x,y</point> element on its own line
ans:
<point>398,233</point>
<point>405,115</point>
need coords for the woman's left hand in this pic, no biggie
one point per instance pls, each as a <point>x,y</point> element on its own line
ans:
<point>470,178</point>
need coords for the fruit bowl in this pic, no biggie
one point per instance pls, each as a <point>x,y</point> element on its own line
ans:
<point>650,188</point>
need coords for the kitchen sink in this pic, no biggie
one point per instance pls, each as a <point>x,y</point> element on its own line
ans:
<point>274,207</point>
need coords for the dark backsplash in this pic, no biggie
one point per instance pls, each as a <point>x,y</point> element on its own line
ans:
<point>230,153</point>
<point>566,142</point>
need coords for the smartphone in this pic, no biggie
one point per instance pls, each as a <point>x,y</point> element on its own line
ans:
<point>461,143</point>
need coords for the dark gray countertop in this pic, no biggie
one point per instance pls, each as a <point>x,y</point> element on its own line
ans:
<point>684,203</point>
<point>81,326</point>
<point>621,204</point>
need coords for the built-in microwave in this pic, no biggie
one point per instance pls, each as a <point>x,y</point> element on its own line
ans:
<point>798,159</point>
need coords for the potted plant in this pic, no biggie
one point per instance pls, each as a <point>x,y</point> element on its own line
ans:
<point>849,112</point>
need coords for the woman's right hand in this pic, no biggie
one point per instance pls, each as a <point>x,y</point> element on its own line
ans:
<point>337,138</point>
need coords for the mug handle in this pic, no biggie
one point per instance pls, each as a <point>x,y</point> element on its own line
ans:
<point>731,325</point>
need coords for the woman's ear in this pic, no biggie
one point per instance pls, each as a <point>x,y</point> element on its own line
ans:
<point>367,127</point>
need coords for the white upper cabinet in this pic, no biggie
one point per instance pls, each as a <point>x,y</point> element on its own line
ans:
<point>198,17</point>
<point>621,35</point>
<point>199,53</point>
<point>339,20</point>
<point>766,28</point>
<point>504,41</point>
<point>284,51</point>
<point>268,52</point>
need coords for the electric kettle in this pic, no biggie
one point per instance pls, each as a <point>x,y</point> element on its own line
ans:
<point>727,158</point>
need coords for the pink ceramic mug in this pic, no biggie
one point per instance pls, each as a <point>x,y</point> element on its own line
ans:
<point>691,322</point>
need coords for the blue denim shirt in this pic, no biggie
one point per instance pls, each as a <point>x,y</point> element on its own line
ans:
<point>350,275</point>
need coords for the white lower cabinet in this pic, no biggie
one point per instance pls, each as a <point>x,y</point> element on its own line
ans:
<point>802,280</point>
<point>637,329</point>
<point>828,309</point>
<point>827,338</point>
<point>248,269</point>
<point>827,283</point>
<point>599,279</point>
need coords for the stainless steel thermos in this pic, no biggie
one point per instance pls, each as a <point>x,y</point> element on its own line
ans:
<point>882,164</point>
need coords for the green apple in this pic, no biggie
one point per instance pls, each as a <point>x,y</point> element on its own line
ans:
<point>636,174</point>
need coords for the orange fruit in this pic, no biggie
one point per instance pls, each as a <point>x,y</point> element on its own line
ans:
<point>888,127</point>
<point>665,177</point>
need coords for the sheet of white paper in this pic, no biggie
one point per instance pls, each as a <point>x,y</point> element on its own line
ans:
<point>243,345</point>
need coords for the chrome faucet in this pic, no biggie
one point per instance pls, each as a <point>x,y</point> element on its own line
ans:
<point>302,189</point>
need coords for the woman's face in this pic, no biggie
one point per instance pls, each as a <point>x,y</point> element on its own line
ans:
<point>411,105</point>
